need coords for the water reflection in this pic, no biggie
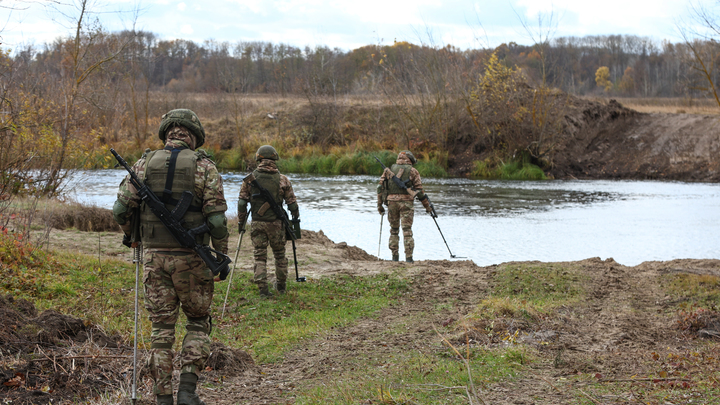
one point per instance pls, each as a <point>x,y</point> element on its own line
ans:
<point>498,221</point>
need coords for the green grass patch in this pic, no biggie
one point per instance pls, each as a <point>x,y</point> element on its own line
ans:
<point>269,327</point>
<point>511,170</point>
<point>99,292</point>
<point>413,377</point>
<point>359,162</point>
<point>694,290</point>
<point>540,287</point>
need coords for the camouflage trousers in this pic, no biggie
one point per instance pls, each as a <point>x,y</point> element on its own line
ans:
<point>401,213</point>
<point>176,280</point>
<point>273,234</point>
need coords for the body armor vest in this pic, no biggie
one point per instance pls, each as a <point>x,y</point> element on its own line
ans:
<point>271,183</point>
<point>392,187</point>
<point>169,173</point>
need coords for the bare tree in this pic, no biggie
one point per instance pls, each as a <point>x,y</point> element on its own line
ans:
<point>701,38</point>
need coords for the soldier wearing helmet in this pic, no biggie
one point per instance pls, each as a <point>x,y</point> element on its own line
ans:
<point>400,204</point>
<point>176,277</point>
<point>266,228</point>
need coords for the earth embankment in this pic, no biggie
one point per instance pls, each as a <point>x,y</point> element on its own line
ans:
<point>610,141</point>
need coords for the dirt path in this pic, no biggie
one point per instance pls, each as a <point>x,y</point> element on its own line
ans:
<point>615,333</point>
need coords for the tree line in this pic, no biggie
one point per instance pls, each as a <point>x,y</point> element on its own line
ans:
<point>62,102</point>
<point>637,66</point>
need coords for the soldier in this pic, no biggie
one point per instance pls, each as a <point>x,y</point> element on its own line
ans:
<point>176,277</point>
<point>400,202</point>
<point>266,228</point>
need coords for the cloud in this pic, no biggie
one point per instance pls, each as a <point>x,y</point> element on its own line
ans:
<point>181,6</point>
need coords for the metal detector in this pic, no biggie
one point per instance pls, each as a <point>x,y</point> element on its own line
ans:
<point>137,257</point>
<point>380,237</point>
<point>433,214</point>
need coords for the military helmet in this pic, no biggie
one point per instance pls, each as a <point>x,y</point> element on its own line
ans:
<point>266,152</point>
<point>409,156</point>
<point>185,118</point>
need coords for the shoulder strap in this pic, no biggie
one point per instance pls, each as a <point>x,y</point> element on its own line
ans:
<point>167,192</point>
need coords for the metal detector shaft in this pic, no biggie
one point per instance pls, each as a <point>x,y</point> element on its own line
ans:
<point>380,237</point>
<point>297,275</point>
<point>443,237</point>
<point>227,291</point>
<point>137,253</point>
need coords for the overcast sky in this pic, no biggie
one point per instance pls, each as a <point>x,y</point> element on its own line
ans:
<point>351,24</point>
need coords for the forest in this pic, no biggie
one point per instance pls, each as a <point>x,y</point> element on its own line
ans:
<point>64,104</point>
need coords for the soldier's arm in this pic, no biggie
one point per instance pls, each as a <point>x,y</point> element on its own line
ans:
<point>243,199</point>
<point>417,185</point>
<point>214,207</point>
<point>127,199</point>
<point>288,195</point>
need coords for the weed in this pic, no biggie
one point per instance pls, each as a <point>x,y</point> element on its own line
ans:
<point>543,286</point>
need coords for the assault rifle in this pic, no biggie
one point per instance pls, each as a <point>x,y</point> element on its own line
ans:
<point>397,180</point>
<point>280,213</point>
<point>219,264</point>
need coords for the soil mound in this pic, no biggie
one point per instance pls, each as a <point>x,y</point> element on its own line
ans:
<point>230,362</point>
<point>55,357</point>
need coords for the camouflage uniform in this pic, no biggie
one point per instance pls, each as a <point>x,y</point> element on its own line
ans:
<point>400,204</point>
<point>272,233</point>
<point>176,277</point>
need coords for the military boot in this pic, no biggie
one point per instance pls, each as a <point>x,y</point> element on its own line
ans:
<point>280,287</point>
<point>265,291</point>
<point>186,392</point>
<point>409,259</point>
<point>165,400</point>
<point>395,257</point>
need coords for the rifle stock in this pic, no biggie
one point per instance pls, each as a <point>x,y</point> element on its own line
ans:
<point>218,264</point>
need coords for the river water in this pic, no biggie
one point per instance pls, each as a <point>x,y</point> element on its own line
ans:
<point>493,221</point>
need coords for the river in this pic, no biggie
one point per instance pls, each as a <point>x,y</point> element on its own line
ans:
<point>493,221</point>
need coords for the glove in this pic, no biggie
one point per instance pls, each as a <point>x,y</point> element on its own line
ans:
<point>126,240</point>
<point>426,204</point>
<point>242,218</point>
<point>295,214</point>
<point>223,273</point>
<point>381,210</point>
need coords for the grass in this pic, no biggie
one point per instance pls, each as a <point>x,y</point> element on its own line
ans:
<point>492,168</point>
<point>97,291</point>
<point>671,105</point>
<point>694,290</point>
<point>359,162</point>
<point>414,377</point>
<point>528,287</point>
<point>269,327</point>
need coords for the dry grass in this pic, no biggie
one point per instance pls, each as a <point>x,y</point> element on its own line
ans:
<point>669,105</point>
